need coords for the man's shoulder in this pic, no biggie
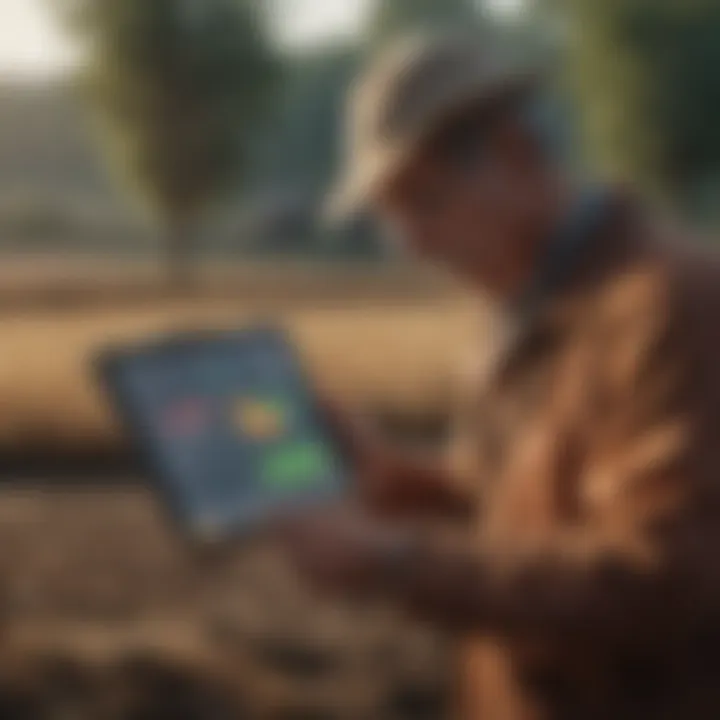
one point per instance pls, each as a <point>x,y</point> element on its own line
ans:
<point>661,263</point>
<point>694,269</point>
<point>669,286</point>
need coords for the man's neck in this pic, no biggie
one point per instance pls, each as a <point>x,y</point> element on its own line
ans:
<point>561,251</point>
<point>531,243</point>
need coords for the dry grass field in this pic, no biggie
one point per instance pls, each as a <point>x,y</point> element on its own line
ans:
<point>104,615</point>
<point>377,341</point>
<point>73,283</point>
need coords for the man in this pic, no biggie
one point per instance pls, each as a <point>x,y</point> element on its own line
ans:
<point>573,540</point>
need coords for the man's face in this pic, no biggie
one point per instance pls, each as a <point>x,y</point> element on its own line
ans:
<point>465,212</point>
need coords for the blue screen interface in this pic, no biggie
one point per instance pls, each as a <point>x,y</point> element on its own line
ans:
<point>232,427</point>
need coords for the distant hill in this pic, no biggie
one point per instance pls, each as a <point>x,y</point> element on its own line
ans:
<point>47,149</point>
<point>56,193</point>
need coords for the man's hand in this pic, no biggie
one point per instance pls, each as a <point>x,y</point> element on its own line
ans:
<point>371,459</point>
<point>343,552</point>
<point>394,484</point>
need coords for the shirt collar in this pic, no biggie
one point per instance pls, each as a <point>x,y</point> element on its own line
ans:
<point>563,254</point>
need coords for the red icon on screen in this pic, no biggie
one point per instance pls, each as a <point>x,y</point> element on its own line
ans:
<point>185,418</point>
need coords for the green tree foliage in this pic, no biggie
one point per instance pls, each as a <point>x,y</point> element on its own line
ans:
<point>392,17</point>
<point>645,72</point>
<point>180,86</point>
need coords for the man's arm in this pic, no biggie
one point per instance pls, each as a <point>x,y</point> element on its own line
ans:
<point>395,484</point>
<point>638,561</point>
<point>577,587</point>
<point>415,488</point>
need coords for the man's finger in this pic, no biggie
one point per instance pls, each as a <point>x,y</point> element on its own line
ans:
<point>351,431</point>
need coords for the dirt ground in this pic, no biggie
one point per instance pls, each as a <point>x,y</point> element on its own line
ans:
<point>107,615</point>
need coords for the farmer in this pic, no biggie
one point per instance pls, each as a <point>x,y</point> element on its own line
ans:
<point>571,541</point>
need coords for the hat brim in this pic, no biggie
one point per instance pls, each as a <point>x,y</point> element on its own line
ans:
<point>354,195</point>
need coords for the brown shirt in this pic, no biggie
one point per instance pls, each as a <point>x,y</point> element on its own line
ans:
<point>591,442</point>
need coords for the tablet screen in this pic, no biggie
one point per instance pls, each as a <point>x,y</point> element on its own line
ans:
<point>231,427</point>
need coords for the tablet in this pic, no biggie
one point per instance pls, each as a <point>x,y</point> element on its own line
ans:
<point>229,428</point>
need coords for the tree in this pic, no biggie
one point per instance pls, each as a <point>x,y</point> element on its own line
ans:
<point>395,16</point>
<point>645,75</point>
<point>180,86</point>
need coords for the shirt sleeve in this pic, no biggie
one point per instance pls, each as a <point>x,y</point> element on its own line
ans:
<point>632,564</point>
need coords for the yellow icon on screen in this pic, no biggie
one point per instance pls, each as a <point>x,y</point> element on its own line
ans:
<point>260,419</point>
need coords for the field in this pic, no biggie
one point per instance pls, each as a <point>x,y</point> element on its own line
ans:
<point>382,343</point>
<point>104,614</point>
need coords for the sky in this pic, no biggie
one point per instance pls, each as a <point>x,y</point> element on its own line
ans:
<point>31,44</point>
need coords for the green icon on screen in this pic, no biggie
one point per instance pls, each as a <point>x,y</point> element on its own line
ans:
<point>297,466</point>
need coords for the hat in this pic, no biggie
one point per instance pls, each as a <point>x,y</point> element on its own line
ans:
<point>405,96</point>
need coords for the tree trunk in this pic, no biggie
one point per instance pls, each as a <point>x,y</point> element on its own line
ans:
<point>181,254</point>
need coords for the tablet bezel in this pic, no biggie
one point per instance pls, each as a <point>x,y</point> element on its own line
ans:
<point>107,369</point>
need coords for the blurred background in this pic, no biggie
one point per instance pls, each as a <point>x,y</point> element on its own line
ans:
<point>162,167</point>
